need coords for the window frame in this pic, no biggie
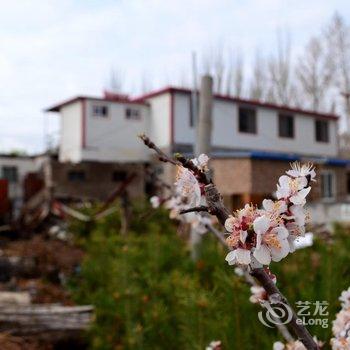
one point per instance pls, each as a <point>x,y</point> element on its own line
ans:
<point>11,180</point>
<point>96,106</point>
<point>121,177</point>
<point>131,117</point>
<point>76,178</point>
<point>325,122</point>
<point>333,184</point>
<point>285,116</point>
<point>254,114</point>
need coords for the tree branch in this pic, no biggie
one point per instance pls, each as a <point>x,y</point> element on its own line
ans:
<point>217,208</point>
<point>195,209</point>
<point>161,155</point>
<point>249,279</point>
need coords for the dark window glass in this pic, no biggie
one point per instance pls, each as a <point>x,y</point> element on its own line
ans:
<point>119,176</point>
<point>10,173</point>
<point>327,185</point>
<point>321,131</point>
<point>100,111</point>
<point>286,125</point>
<point>348,183</point>
<point>247,120</point>
<point>132,114</point>
<point>76,175</point>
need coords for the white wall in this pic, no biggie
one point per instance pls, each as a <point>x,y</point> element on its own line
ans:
<point>24,166</point>
<point>71,132</point>
<point>225,132</point>
<point>159,125</point>
<point>184,133</point>
<point>114,138</point>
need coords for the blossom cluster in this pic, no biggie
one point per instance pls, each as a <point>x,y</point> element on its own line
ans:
<point>293,345</point>
<point>341,324</point>
<point>259,236</point>
<point>187,194</point>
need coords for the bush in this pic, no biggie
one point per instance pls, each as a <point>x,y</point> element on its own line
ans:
<point>149,295</point>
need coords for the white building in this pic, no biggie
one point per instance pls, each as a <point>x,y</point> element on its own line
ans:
<point>105,129</point>
<point>247,135</point>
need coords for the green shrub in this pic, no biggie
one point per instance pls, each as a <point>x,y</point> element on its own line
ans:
<point>149,295</point>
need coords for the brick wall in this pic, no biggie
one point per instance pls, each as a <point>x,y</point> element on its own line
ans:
<point>98,182</point>
<point>250,180</point>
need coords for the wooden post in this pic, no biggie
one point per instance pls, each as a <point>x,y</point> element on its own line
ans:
<point>203,140</point>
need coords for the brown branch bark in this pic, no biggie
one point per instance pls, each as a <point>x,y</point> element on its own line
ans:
<point>195,209</point>
<point>161,155</point>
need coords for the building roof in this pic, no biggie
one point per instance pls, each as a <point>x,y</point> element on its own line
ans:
<point>142,100</point>
<point>254,103</point>
<point>267,155</point>
<point>122,99</point>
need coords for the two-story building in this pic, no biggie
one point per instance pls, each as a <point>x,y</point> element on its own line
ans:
<point>252,142</point>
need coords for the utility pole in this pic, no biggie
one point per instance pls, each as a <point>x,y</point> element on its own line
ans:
<point>203,140</point>
<point>194,95</point>
<point>204,123</point>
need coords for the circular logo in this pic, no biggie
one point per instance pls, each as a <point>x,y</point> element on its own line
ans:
<point>275,314</point>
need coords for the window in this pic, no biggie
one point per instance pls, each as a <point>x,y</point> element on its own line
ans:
<point>247,120</point>
<point>132,114</point>
<point>119,176</point>
<point>286,125</point>
<point>76,175</point>
<point>10,173</point>
<point>321,131</point>
<point>327,185</point>
<point>348,183</point>
<point>100,111</point>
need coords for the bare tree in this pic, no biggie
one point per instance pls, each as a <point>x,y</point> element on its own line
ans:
<point>315,73</point>
<point>235,74</point>
<point>259,86</point>
<point>338,35</point>
<point>115,83</point>
<point>282,89</point>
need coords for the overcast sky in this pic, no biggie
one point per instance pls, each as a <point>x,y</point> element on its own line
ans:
<point>54,49</point>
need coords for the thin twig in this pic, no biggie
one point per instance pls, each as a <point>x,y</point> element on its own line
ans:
<point>161,155</point>
<point>195,209</point>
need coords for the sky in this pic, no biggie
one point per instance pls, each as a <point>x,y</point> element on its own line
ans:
<point>55,49</point>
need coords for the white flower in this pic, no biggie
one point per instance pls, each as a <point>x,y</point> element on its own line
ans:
<point>200,223</point>
<point>298,213</point>
<point>278,345</point>
<point>292,188</point>
<point>345,299</point>
<point>155,202</point>
<point>341,325</point>
<point>341,343</point>
<point>304,170</point>
<point>239,271</point>
<point>299,197</point>
<point>274,208</point>
<point>188,186</point>
<point>201,162</point>
<point>304,242</point>
<point>258,294</point>
<point>214,345</point>
<point>238,256</point>
<point>270,244</point>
